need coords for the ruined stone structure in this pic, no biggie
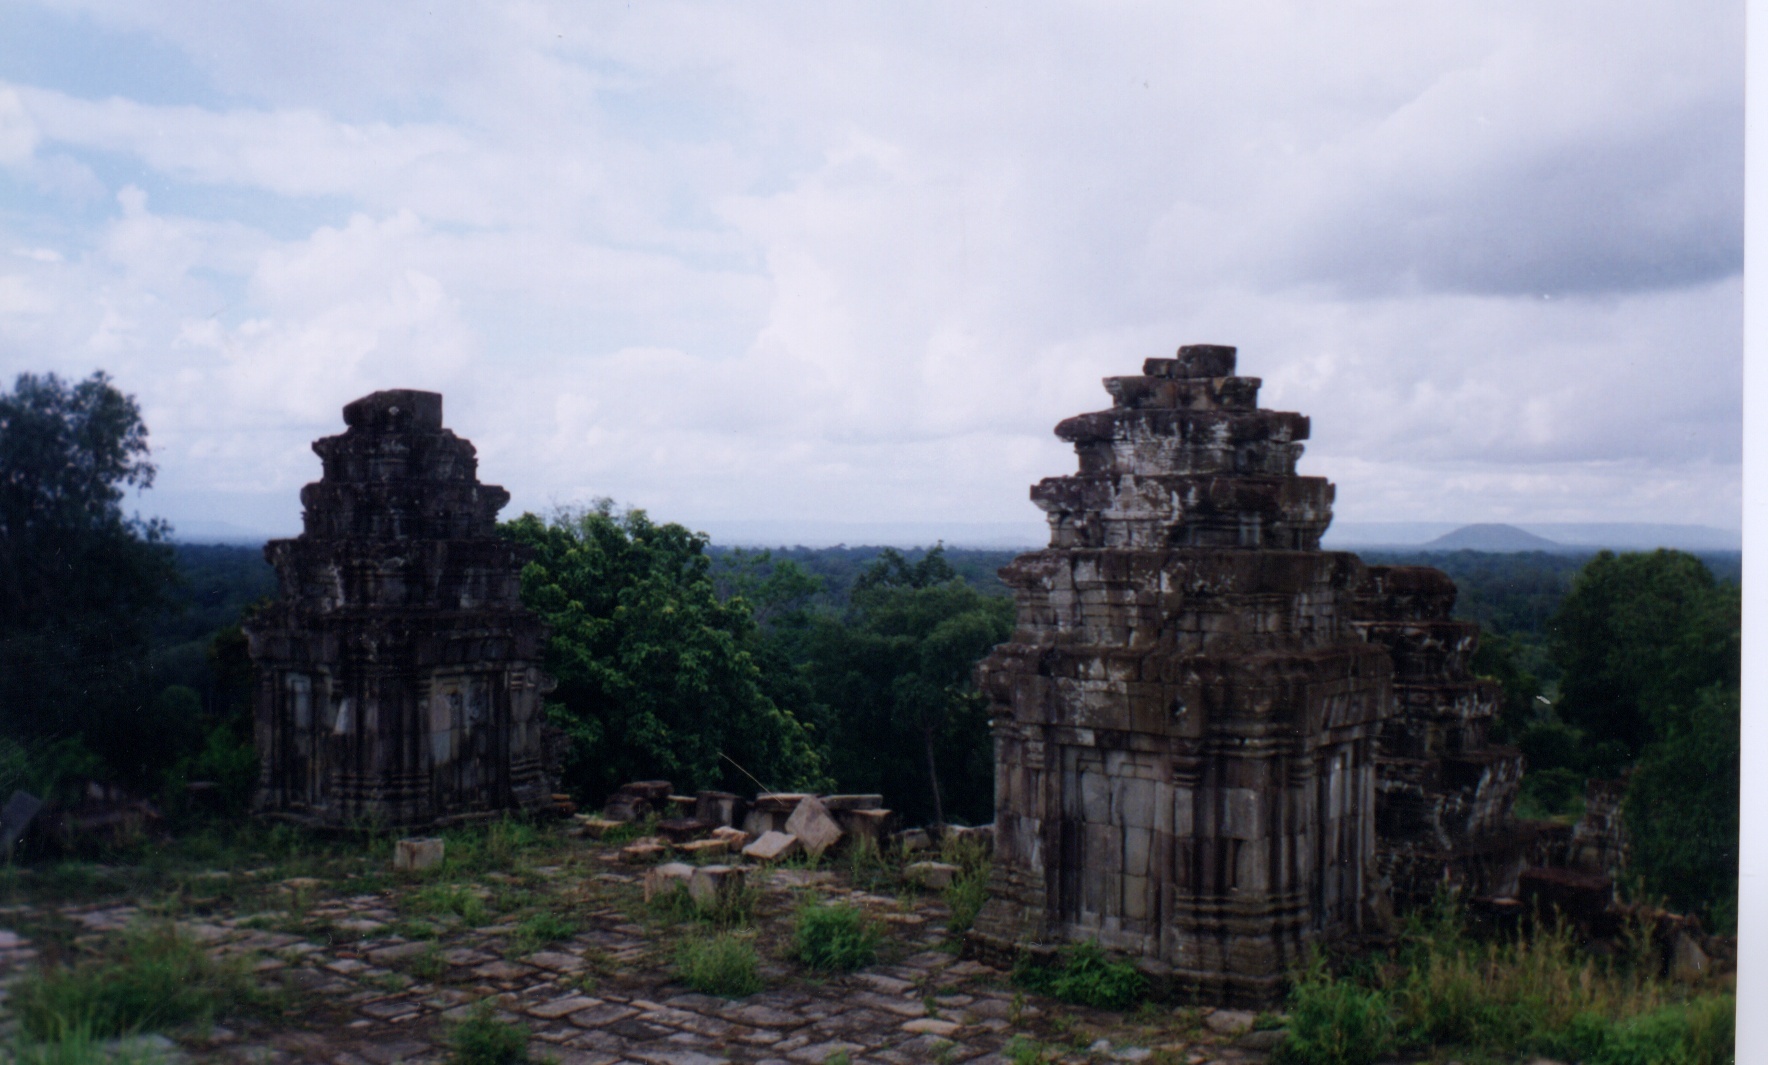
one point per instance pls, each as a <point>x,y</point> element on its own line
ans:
<point>398,675</point>
<point>1443,791</point>
<point>1186,719</point>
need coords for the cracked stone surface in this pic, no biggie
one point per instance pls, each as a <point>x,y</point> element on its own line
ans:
<point>380,976</point>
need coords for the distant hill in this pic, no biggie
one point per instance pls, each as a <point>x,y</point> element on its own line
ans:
<point>1562,536</point>
<point>1491,537</point>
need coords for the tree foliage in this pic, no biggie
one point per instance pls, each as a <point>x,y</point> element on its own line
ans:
<point>1636,634</point>
<point>895,672</point>
<point>656,676</point>
<point>80,582</point>
<point>1651,648</point>
<point>1682,806</point>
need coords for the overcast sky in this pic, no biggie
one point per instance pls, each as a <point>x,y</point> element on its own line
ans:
<point>852,262</point>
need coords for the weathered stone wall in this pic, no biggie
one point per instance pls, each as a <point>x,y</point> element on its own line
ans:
<point>1443,792</point>
<point>399,676</point>
<point>1186,723</point>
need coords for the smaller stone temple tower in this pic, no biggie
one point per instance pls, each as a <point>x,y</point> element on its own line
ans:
<point>1444,791</point>
<point>398,675</point>
<point>1186,721</point>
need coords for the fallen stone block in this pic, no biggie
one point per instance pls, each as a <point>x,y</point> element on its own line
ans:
<point>1229,1022</point>
<point>1688,961</point>
<point>979,834</point>
<point>773,847</point>
<point>866,825</point>
<point>662,879</point>
<point>679,806</point>
<point>838,803</point>
<point>715,885</point>
<point>704,848</point>
<point>934,876</point>
<point>735,837</point>
<point>771,811</point>
<point>648,849</point>
<point>416,854</point>
<point>811,823</point>
<point>595,827</point>
<point>683,829</point>
<point>910,840</point>
<point>719,807</point>
<point>637,801</point>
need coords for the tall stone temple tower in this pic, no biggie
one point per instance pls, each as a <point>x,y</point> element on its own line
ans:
<point>398,675</point>
<point>1186,719</point>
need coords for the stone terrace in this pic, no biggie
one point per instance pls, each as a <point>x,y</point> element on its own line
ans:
<point>378,969</point>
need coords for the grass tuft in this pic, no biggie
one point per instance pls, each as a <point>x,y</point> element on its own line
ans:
<point>722,965</point>
<point>835,937</point>
<point>482,1039</point>
<point>541,929</point>
<point>153,979</point>
<point>1086,975</point>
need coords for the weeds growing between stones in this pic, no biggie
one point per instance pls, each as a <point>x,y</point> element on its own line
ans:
<point>482,1039</point>
<point>722,965</point>
<point>1537,993</point>
<point>153,979</point>
<point>835,937</point>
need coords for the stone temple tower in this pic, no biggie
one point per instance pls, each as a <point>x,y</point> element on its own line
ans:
<point>1186,722</point>
<point>398,675</point>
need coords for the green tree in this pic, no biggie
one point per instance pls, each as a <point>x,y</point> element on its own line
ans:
<point>656,675</point>
<point>80,583</point>
<point>1637,631</point>
<point>1498,658</point>
<point>1651,648</point>
<point>897,670</point>
<point>1681,809</point>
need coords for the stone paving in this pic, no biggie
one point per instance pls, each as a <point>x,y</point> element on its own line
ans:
<point>374,987</point>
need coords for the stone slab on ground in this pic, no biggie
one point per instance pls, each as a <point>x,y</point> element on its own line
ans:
<point>934,876</point>
<point>773,846</point>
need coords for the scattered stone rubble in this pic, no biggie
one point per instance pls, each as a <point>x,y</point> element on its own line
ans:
<point>774,825</point>
<point>399,676</point>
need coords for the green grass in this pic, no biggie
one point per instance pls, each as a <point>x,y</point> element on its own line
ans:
<point>969,889</point>
<point>835,937</point>
<point>1086,975</point>
<point>732,909</point>
<point>80,1047</point>
<point>449,900</point>
<point>150,980</point>
<point>541,929</point>
<point>721,965</point>
<point>1537,993</point>
<point>482,1039</point>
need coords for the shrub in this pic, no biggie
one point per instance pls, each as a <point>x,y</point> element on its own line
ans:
<point>722,965</point>
<point>1085,975</point>
<point>965,895</point>
<point>835,937</point>
<point>155,979</point>
<point>482,1039</point>
<point>1335,1022</point>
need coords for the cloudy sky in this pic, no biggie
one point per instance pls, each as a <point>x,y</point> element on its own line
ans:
<point>851,262</point>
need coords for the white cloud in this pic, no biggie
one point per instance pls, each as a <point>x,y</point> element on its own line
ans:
<point>856,262</point>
